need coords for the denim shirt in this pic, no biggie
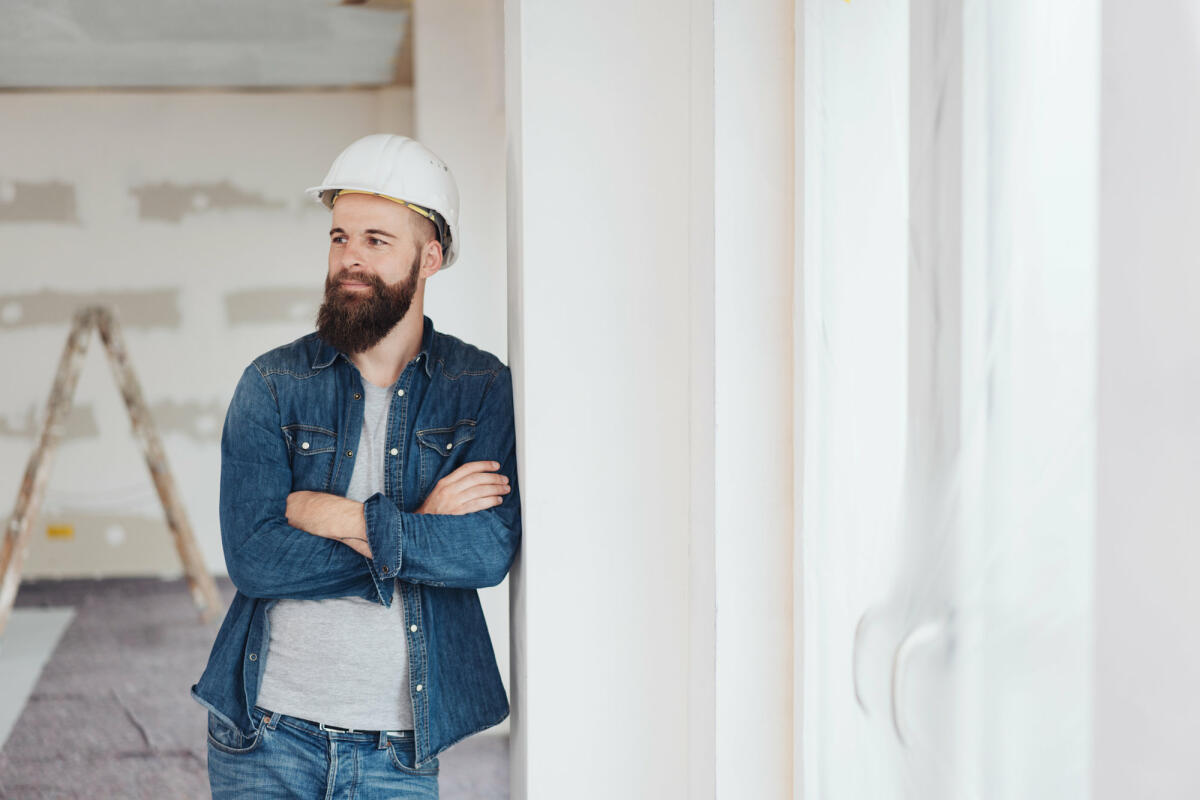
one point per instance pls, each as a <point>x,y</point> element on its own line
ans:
<point>293,424</point>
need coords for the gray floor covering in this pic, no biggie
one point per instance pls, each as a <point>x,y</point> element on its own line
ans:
<point>111,717</point>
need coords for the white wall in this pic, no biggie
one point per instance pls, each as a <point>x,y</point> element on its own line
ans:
<point>1147,647</point>
<point>458,73</point>
<point>186,210</point>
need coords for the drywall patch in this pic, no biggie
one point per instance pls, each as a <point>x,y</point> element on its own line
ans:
<point>199,420</point>
<point>151,308</point>
<point>81,424</point>
<point>258,306</point>
<point>51,201</point>
<point>144,546</point>
<point>114,534</point>
<point>170,202</point>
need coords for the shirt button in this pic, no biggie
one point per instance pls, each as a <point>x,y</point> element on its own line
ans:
<point>385,570</point>
<point>304,445</point>
<point>420,687</point>
<point>357,396</point>
<point>412,628</point>
<point>349,454</point>
<point>399,393</point>
<point>254,656</point>
<point>394,451</point>
<point>449,445</point>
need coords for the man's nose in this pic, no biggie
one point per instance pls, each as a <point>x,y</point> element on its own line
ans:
<point>351,256</point>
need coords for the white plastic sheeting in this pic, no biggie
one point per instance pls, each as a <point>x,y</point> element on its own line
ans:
<point>205,43</point>
<point>951,155</point>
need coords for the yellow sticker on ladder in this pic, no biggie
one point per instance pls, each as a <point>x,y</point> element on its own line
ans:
<point>60,531</point>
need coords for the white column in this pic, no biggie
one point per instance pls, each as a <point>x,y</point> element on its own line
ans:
<point>650,253</point>
<point>1147,710</point>
<point>599,131</point>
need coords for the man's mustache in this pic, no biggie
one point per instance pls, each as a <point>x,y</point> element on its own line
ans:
<point>374,281</point>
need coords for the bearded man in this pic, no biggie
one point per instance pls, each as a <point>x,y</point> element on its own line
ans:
<point>368,488</point>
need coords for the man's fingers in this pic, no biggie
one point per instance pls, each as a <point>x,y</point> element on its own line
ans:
<point>470,468</point>
<point>481,479</point>
<point>474,486</point>
<point>473,493</point>
<point>481,504</point>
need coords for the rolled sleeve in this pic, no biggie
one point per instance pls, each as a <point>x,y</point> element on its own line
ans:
<point>384,535</point>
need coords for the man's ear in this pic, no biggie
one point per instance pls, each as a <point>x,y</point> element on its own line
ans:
<point>431,258</point>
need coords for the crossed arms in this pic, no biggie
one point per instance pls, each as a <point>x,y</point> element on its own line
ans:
<point>310,545</point>
<point>475,486</point>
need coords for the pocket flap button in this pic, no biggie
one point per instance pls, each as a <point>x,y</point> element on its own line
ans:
<point>304,445</point>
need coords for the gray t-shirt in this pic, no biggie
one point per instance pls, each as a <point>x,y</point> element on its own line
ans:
<point>343,661</point>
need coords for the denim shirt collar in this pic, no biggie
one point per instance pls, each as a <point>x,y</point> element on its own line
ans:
<point>327,353</point>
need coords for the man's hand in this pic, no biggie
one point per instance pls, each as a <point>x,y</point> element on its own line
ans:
<point>330,517</point>
<point>474,486</point>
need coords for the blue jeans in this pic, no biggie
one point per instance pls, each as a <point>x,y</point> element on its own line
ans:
<point>294,758</point>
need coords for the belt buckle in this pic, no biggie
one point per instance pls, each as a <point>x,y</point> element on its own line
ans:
<point>335,729</point>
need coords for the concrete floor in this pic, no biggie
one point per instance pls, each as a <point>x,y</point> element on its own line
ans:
<point>111,715</point>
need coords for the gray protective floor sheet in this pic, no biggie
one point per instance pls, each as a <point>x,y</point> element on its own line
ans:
<point>111,715</point>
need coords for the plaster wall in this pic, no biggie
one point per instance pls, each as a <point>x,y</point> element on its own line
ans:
<point>185,210</point>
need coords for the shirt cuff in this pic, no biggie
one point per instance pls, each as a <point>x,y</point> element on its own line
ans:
<point>384,528</point>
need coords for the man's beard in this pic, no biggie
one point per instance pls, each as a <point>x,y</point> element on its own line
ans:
<point>356,320</point>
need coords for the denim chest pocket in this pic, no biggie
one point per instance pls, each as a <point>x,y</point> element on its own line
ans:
<point>312,450</point>
<point>442,451</point>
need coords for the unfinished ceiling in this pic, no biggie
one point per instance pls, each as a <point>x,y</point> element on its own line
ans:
<point>201,43</point>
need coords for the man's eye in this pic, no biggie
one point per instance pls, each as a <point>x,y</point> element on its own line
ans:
<point>376,242</point>
<point>338,240</point>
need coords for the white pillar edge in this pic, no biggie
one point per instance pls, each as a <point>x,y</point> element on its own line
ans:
<point>798,320</point>
<point>754,157</point>
<point>702,599</point>
<point>515,224</point>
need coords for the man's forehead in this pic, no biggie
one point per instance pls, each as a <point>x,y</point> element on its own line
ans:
<point>362,211</point>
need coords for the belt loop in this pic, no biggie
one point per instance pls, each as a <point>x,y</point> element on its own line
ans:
<point>271,718</point>
<point>382,740</point>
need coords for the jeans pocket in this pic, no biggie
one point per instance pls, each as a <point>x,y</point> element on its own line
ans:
<point>228,739</point>
<point>404,757</point>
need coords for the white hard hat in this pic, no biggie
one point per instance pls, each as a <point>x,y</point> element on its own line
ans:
<point>403,170</point>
